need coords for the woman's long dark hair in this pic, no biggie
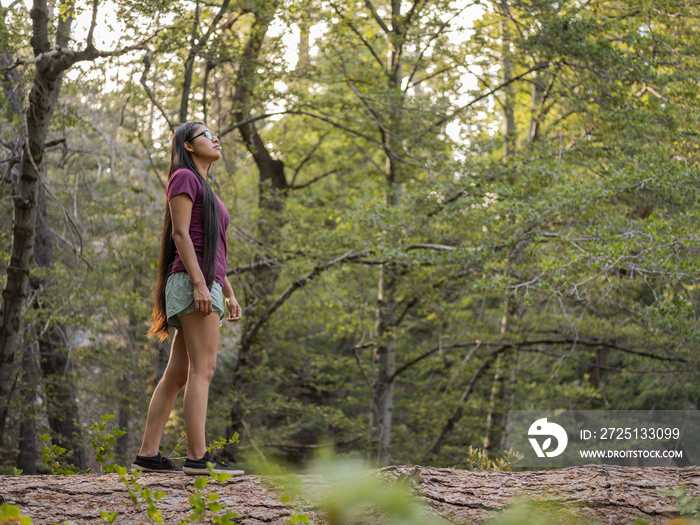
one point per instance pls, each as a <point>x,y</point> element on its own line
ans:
<point>180,158</point>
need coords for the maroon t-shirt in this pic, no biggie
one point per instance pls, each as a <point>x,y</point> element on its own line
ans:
<point>185,181</point>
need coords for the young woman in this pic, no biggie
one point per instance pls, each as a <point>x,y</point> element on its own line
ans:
<point>192,295</point>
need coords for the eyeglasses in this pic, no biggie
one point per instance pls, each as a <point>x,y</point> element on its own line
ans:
<point>207,134</point>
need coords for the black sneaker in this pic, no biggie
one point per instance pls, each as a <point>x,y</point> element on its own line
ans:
<point>155,464</point>
<point>198,467</point>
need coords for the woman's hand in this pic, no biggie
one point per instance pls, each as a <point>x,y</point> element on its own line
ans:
<point>202,300</point>
<point>234,309</point>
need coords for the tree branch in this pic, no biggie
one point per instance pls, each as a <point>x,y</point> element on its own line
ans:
<point>93,53</point>
<point>247,121</point>
<point>376,16</point>
<point>430,247</point>
<point>65,20</point>
<point>9,7</point>
<point>359,35</point>
<point>194,50</point>
<point>267,262</point>
<point>355,351</point>
<point>93,23</point>
<point>37,58</point>
<point>307,158</point>
<point>151,163</point>
<point>273,261</point>
<point>587,362</point>
<point>78,251</point>
<point>315,179</point>
<point>457,414</point>
<point>144,76</point>
<point>415,10</point>
<point>373,114</point>
<point>299,283</point>
<point>487,94</point>
<point>64,58</point>
<point>55,142</point>
<point>593,342</point>
<point>337,125</point>
<point>409,303</point>
<point>456,195</point>
<point>425,355</point>
<point>40,27</point>
<point>11,163</point>
<point>431,75</point>
<point>432,38</point>
<point>322,118</point>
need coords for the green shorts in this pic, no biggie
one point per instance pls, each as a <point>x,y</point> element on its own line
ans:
<point>179,298</point>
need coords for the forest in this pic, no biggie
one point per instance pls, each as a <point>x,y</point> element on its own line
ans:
<point>441,210</point>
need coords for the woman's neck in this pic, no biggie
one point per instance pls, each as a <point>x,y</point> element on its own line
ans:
<point>202,168</point>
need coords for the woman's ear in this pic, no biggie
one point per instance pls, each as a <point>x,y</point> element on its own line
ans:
<point>188,147</point>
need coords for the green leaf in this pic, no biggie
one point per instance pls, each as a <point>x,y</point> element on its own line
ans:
<point>201,482</point>
<point>10,510</point>
<point>222,477</point>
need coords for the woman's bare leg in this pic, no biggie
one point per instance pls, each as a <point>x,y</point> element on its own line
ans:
<point>201,341</point>
<point>163,399</point>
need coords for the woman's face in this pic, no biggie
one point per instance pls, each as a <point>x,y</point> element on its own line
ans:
<point>202,148</point>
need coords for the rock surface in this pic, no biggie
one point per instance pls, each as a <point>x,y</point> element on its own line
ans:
<point>604,494</point>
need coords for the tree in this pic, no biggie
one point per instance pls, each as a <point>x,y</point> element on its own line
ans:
<point>50,62</point>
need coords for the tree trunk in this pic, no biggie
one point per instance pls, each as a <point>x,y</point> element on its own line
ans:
<point>304,38</point>
<point>382,402</point>
<point>540,92</point>
<point>533,134</point>
<point>195,47</point>
<point>459,411</point>
<point>26,457</point>
<point>382,395</point>
<point>12,89</point>
<point>510,138</point>
<point>62,408</point>
<point>271,201</point>
<point>24,195</point>
<point>497,389</point>
<point>597,366</point>
<point>14,93</point>
<point>509,126</point>
<point>121,450</point>
<point>124,401</point>
<point>55,356</point>
<point>602,494</point>
<point>42,101</point>
<point>491,415</point>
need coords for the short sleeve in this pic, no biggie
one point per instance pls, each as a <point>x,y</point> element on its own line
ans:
<point>183,181</point>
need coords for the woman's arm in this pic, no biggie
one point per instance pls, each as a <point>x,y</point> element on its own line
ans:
<point>181,214</point>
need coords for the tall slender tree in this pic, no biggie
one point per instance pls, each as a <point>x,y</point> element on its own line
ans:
<point>51,60</point>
